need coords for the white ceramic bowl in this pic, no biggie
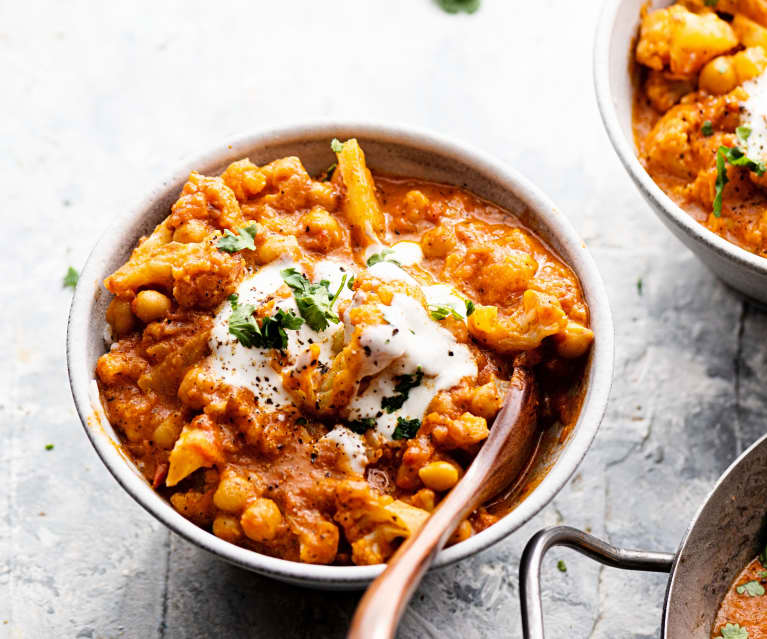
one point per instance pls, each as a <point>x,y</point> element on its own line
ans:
<point>394,150</point>
<point>618,27</point>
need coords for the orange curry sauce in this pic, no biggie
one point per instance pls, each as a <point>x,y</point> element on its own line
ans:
<point>746,603</point>
<point>271,478</point>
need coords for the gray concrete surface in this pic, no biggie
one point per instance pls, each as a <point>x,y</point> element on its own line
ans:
<point>97,98</point>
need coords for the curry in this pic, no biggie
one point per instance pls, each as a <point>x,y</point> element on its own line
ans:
<point>306,366</point>
<point>743,613</point>
<point>699,112</point>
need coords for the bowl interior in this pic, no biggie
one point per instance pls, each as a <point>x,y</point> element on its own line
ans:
<point>397,153</point>
<point>726,534</point>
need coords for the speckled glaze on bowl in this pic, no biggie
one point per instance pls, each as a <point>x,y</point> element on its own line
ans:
<point>394,150</point>
<point>613,79</point>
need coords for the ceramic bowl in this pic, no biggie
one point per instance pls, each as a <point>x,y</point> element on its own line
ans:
<point>614,81</point>
<point>392,150</point>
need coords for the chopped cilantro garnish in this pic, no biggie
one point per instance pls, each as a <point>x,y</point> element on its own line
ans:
<point>750,588</point>
<point>71,278</point>
<point>403,386</point>
<point>735,157</point>
<point>732,631</point>
<point>350,283</point>
<point>743,132</point>
<point>561,566</point>
<point>441,311</point>
<point>469,6</point>
<point>470,308</point>
<point>763,557</point>
<point>270,334</point>
<point>232,243</point>
<point>314,301</point>
<point>329,172</point>
<point>361,426</point>
<point>406,428</point>
<point>336,145</point>
<point>383,256</point>
<point>710,3</point>
<point>639,286</point>
<point>707,129</point>
<point>49,447</point>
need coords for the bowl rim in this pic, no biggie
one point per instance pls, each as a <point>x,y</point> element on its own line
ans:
<point>580,260</point>
<point>670,212</point>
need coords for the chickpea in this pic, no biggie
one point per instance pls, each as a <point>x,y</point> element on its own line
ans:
<point>749,63</point>
<point>193,230</point>
<point>416,205</point>
<point>575,340</point>
<point>321,230</point>
<point>718,76</point>
<point>439,241</point>
<point>120,316</point>
<point>463,532</point>
<point>439,475</point>
<point>232,493</point>
<point>166,434</point>
<point>150,305</point>
<point>227,527</point>
<point>425,499</point>
<point>261,519</point>
<point>277,246</point>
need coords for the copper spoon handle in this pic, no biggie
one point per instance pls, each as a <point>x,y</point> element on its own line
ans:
<point>500,460</point>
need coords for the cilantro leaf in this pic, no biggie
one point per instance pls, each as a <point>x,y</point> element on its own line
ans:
<point>561,566</point>
<point>736,157</point>
<point>314,301</point>
<point>361,426</point>
<point>336,145</point>
<point>750,588</point>
<point>49,447</point>
<point>403,386</point>
<point>732,631</point>
<point>71,278</point>
<point>441,311</point>
<point>329,172</point>
<point>707,129</point>
<point>383,256</point>
<point>639,286</point>
<point>710,3</point>
<point>469,6</point>
<point>406,428</point>
<point>270,334</point>
<point>743,132</point>
<point>232,243</point>
<point>470,308</point>
<point>350,283</point>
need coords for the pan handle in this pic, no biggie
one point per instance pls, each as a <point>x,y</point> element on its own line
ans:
<point>530,567</point>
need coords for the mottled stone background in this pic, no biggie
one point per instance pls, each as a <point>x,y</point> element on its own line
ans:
<point>97,98</point>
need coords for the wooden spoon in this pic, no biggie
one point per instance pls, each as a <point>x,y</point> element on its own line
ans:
<point>503,456</point>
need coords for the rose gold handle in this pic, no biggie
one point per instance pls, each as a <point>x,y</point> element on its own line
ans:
<point>501,459</point>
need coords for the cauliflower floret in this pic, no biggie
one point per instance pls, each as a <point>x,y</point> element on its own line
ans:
<point>682,41</point>
<point>198,446</point>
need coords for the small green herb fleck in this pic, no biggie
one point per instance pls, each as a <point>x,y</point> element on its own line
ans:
<point>561,566</point>
<point>406,428</point>
<point>751,588</point>
<point>336,145</point>
<point>49,447</point>
<point>314,301</point>
<point>232,243</point>
<point>301,421</point>
<point>639,286</point>
<point>441,311</point>
<point>735,157</point>
<point>470,308</point>
<point>350,283</point>
<point>743,132</point>
<point>763,557</point>
<point>707,128</point>
<point>710,3</point>
<point>383,256</point>
<point>469,6</point>
<point>329,172</point>
<point>403,386</point>
<point>361,426</point>
<point>71,278</point>
<point>270,334</point>
<point>732,631</point>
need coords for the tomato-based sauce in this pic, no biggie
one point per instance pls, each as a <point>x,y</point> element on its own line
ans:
<point>306,366</point>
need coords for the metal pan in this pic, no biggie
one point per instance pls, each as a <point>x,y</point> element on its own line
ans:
<point>727,532</point>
